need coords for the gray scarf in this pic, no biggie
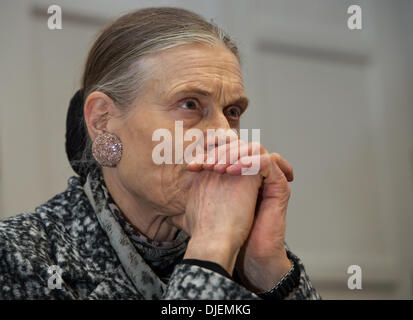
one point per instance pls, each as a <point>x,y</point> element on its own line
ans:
<point>148,263</point>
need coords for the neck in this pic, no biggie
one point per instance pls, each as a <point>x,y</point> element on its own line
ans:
<point>147,220</point>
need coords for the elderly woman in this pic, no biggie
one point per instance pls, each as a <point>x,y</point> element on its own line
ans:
<point>129,228</point>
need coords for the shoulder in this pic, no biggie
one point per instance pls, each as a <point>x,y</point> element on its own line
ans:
<point>31,229</point>
<point>63,231</point>
<point>34,235</point>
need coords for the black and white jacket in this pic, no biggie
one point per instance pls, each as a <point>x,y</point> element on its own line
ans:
<point>77,235</point>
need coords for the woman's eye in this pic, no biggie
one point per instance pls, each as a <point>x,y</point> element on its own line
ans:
<point>189,104</point>
<point>233,112</point>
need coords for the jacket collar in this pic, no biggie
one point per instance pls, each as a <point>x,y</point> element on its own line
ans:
<point>139,272</point>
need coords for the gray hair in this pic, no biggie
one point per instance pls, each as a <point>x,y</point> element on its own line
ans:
<point>114,63</point>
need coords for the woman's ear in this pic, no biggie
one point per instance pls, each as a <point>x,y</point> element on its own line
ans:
<point>98,109</point>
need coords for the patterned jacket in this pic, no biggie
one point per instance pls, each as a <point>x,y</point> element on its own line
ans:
<point>71,247</point>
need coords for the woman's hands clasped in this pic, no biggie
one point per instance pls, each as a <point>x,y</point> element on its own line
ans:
<point>238,219</point>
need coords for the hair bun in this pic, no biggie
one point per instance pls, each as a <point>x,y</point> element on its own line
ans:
<point>75,134</point>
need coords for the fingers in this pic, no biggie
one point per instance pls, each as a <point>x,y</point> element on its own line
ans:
<point>270,166</point>
<point>227,158</point>
<point>221,154</point>
<point>219,158</point>
<point>275,168</point>
<point>284,165</point>
<point>197,163</point>
<point>225,154</point>
<point>234,153</point>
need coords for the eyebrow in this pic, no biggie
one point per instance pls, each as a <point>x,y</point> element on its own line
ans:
<point>243,101</point>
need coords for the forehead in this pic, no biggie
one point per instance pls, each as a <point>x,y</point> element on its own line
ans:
<point>212,69</point>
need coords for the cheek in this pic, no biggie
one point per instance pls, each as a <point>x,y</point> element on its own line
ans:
<point>137,151</point>
<point>137,168</point>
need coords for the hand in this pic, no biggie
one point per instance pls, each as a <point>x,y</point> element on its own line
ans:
<point>219,215</point>
<point>262,260</point>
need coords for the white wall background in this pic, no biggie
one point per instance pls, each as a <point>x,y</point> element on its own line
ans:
<point>336,103</point>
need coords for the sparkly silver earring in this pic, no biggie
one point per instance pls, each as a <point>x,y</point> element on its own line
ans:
<point>107,149</point>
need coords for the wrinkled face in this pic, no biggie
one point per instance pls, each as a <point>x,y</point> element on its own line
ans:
<point>197,84</point>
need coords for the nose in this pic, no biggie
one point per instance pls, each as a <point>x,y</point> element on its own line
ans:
<point>217,131</point>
